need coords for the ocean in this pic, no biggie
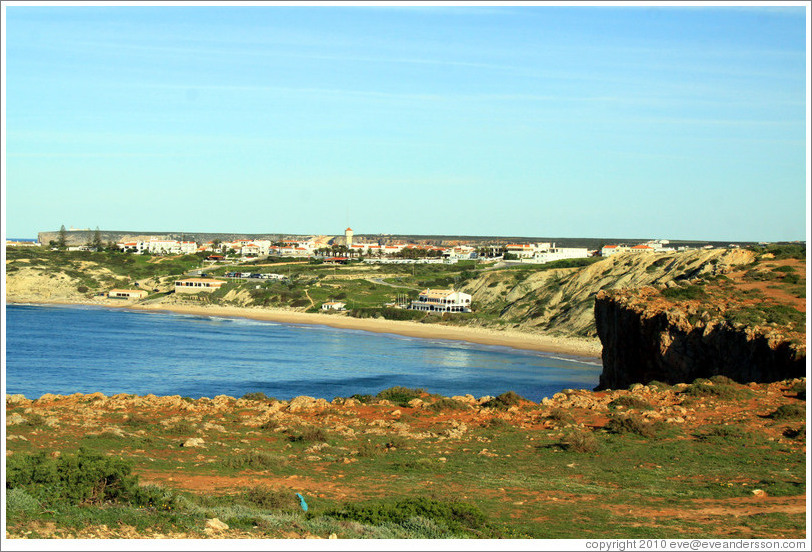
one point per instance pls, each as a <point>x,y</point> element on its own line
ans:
<point>85,349</point>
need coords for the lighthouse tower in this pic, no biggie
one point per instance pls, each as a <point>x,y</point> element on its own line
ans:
<point>348,237</point>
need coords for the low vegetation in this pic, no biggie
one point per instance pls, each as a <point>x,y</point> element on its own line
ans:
<point>380,467</point>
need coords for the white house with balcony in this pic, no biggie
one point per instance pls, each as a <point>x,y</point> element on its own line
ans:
<point>173,247</point>
<point>612,249</point>
<point>552,253</point>
<point>442,300</point>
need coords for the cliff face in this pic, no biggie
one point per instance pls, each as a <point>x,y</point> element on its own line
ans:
<point>561,301</point>
<point>645,340</point>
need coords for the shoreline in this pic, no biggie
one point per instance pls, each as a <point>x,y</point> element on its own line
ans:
<point>581,347</point>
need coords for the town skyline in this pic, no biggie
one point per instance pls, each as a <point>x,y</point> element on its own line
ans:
<point>683,123</point>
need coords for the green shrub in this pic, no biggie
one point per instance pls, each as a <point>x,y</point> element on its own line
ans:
<point>135,421</point>
<point>82,478</point>
<point>580,441</point>
<point>270,424</point>
<point>309,434</point>
<point>729,433</point>
<point>660,385</point>
<point>368,449</point>
<point>721,391</point>
<point>258,396</point>
<point>789,412</point>
<point>561,415</point>
<point>457,516</point>
<point>719,379</point>
<point>447,404</point>
<point>496,423</point>
<point>182,427</point>
<point>630,401</point>
<point>401,395</point>
<point>685,293</point>
<point>254,460</point>
<point>631,424</point>
<point>398,442</point>
<point>505,401</point>
<point>799,434</point>
<point>34,420</point>
<point>363,399</point>
<point>267,498</point>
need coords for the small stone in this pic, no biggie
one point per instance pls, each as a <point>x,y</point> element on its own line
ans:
<point>215,524</point>
<point>332,536</point>
<point>759,492</point>
<point>193,442</point>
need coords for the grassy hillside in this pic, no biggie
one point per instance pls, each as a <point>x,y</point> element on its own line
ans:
<point>711,459</point>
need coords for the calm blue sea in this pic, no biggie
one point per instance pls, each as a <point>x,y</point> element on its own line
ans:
<point>69,349</point>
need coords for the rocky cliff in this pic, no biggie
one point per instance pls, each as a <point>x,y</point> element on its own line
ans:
<point>646,338</point>
<point>561,301</point>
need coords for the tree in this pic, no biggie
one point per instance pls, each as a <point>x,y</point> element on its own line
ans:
<point>62,240</point>
<point>96,243</point>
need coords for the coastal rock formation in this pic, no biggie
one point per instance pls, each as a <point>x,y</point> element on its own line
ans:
<point>645,340</point>
<point>560,301</point>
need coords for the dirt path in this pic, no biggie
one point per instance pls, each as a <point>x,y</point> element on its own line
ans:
<point>312,304</point>
<point>385,283</point>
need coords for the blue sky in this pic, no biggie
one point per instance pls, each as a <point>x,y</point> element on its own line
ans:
<point>680,123</point>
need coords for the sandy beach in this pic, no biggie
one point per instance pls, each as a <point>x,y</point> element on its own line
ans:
<point>519,340</point>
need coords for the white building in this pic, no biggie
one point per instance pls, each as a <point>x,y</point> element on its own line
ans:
<point>127,293</point>
<point>442,300</point>
<point>171,247</point>
<point>608,250</point>
<point>460,252</point>
<point>333,305</point>
<point>12,243</point>
<point>521,250</point>
<point>553,253</point>
<point>195,285</point>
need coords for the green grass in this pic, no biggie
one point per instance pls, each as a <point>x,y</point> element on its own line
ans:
<point>685,293</point>
<point>789,412</point>
<point>767,313</point>
<point>254,460</point>
<point>699,389</point>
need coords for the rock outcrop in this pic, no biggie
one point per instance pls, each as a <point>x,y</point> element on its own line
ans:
<point>644,340</point>
<point>561,301</point>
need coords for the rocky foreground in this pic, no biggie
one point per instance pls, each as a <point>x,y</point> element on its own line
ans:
<point>707,459</point>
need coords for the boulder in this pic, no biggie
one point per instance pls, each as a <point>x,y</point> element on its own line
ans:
<point>14,400</point>
<point>14,419</point>
<point>194,442</point>
<point>307,403</point>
